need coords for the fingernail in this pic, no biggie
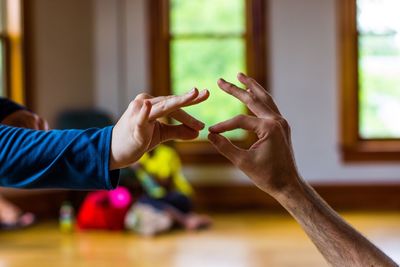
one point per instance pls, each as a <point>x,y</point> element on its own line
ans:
<point>193,90</point>
<point>204,92</point>
<point>199,125</point>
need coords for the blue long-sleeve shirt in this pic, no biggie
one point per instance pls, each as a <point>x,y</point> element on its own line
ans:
<point>75,159</point>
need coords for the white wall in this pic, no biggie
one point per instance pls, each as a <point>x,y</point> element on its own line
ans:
<point>305,85</point>
<point>304,82</point>
<point>62,55</point>
<point>120,53</point>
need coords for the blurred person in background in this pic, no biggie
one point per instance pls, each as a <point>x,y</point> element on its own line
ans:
<point>12,114</point>
<point>167,198</point>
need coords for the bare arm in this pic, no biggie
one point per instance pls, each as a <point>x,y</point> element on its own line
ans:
<point>338,242</point>
<point>270,164</point>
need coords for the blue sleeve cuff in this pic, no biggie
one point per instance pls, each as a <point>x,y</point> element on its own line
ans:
<point>111,177</point>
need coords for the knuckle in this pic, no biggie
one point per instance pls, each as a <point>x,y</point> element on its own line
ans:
<point>251,81</point>
<point>230,86</point>
<point>142,96</point>
<point>238,161</point>
<point>241,161</point>
<point>266,124</point>
<point>240,117</point>
<point>266,98</point>
<point>135,103</point>
<point>247,98</point>
<point>163,105</point>
<point>274,125</point>
<point>251,95</point>
<point>36,118</point>
<point>285,125</point>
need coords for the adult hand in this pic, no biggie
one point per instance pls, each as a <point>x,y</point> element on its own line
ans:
<point>269,162</point>
<point>139,131</point>
<point>25,119</point>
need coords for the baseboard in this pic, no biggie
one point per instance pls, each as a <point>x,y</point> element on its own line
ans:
<point>230,198</point>
<point>340,197</point>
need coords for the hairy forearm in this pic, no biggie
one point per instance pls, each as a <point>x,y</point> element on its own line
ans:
<point>339,243</point>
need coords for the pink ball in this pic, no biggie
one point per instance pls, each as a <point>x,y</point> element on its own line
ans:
<point>120,197</point>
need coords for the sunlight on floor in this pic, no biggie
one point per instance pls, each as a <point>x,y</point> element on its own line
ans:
<point>240,240</point>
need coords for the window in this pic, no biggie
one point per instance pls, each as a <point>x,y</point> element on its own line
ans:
<point>11,50</point>
<point>370,79</point>
<point>195,42</point>
<point>2,51</point>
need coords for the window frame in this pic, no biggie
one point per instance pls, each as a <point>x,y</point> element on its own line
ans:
<point>160,73</point>
<point>14,51</point>
<point>353,147</point>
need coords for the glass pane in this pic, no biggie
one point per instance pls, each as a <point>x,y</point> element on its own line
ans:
<point>379,68</point>
<point>2,76</point>
<point>201,63</point>
<point>207,16</point>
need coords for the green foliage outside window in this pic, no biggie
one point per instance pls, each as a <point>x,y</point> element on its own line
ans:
<point>208,43</point>
<point>379,68</point>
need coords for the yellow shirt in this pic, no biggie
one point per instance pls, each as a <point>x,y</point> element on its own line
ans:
<point>165,164</point>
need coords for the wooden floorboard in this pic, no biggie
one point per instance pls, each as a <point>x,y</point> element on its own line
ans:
<point>235,240</point>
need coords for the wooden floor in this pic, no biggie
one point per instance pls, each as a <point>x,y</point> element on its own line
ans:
<point>234,241</point>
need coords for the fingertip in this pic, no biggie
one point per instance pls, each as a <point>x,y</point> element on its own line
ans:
<point>242,77</point>
<point>203,95</point>
<point>189,133</point>
<point>195,134</point>
<point>212,137</point>
<point>212,129</point>
<point>205,92</point>
<point>216,136</point>
<point>196,125</point>
<point>241,74</point>
<point>201,125</point>
<point>194,91</point>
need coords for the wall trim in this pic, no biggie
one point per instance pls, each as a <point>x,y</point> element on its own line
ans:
<point>230,198</point>
<point>379,197</point>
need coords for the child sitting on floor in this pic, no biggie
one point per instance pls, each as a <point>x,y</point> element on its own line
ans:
<point>167,198</point>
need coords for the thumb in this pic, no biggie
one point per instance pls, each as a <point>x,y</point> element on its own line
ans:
<point>225,147</point>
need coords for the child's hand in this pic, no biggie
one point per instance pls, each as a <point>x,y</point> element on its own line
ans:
<point>138,130</point>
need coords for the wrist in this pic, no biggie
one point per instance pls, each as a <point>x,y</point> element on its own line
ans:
<point>292,193</point>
